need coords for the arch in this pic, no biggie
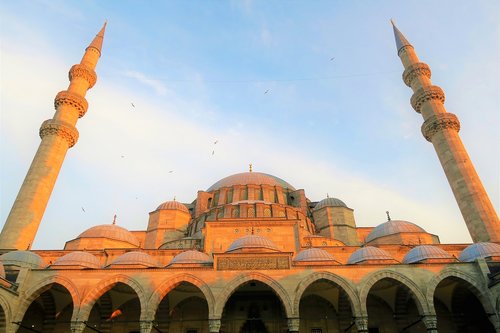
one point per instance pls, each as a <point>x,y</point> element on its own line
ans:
<point>241,279</point>
<point>477,289</point>
<point>170,284</point>
<point>345,285</point>
<point>102,287</point>
<point>370,280</point>
<point>4,304</point>
<point>43,285</point>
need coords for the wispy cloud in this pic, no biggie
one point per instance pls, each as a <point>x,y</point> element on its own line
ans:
<point>159,87</point>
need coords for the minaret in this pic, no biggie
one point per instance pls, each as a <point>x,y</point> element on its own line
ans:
<point>441,129</point>
<point>58,135</point>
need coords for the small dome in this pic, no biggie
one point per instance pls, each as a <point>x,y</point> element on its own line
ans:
<point>191,257</point>
<point>424,252</point>
<point>111,231</point>
<point>392,227</point>
<point>78,258</point>
<point>330,202</point>
<point>173,205</point>
<point>314,254</point>
<point>479,250</point>
<point>368,253</point>
<point>23,259</point>
<point>253,178</point>
<point>252,241</point>
<point>135,258</point>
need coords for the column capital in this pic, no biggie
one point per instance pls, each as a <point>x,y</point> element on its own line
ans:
<point>361,324</point>
<point>214,325</point>
<point>146,326</point>
<point>293,324</point>
<point>430,322</point>
<point>77,326</point>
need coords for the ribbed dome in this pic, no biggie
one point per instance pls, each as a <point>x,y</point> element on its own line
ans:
<point>78,258</point>
<point>246,178</point>
<point>330,202</point>
<point>424,252</point>
<point>479,250</point>
<point>173,205</point>
<point>314,254</point>
<point>191,257</point>
<point>252,241</point>
<point>392,227</point>
<point>135,258</point>
<point>23,259</point>
<point>111,231</point>
<point>368,253</point>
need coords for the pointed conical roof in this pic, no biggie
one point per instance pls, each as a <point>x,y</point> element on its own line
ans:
<point>401,40</point>
<point>98,39</point>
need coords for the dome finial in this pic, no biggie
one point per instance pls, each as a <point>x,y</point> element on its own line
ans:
<point>327,195</point>
<point>250,167</point>
<point>388,216</point>
<point>114,220</point>
<point>175,198</point>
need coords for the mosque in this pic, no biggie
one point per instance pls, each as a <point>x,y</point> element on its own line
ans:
<point>252,253</point>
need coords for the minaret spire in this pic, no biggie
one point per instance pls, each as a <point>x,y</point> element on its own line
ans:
<point>58,135</point>
<point>401,40</point>
<point>441,129</point>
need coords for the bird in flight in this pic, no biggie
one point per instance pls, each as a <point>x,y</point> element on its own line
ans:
<point>266,91</point>
<point>123,156</point>
<point>331,59</point>
<point>83,210</point>
<point>133,105</point>
<point>171,171</point>
<point>213,152</point>
<point>215,142</point>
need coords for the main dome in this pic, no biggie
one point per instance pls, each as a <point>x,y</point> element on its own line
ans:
<point>253,178</point>
<point>111,231</point>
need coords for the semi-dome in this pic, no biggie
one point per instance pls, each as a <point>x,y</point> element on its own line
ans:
<point>78,258</point>
<point>173,205</point>
<point>368,253</point>
<point>424,252</point>
<point>23,259</point>
<point>191,257</point>
<point>392,227</point>
<point>111,231</point>
<point>252,242</point>
<point>479,250</point>
<point>253,178</point>
<point>330,202</point>
<point>314,254</point>
<point>135,258</point>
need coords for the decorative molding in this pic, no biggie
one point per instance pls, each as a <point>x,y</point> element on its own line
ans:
<point>55,127</point>
<point>84,72</point>
<point>253,263</point>
<point>425,94</point>
<point>74,100</point>
<point>361,324</point>
<point>430,322</point>
<point>404,49</point>
<point>414,71</point>
<point>438,123</point>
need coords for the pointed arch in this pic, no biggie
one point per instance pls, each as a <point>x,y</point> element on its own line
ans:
<point>4,305</point>
<point>168,285</point>
<point>234,284</point>
<point>43,285</point>
<point>343,284</point>
<point>102,287</point>
<point>471,282</point>
<point>371,279</point>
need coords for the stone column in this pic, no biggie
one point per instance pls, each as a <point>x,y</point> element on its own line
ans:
<point>293,324</point>
<point>430,322</point>
<point>361,324</point>
<point>214,325</point>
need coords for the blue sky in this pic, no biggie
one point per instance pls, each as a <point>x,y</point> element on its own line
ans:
<point>197,71</point>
